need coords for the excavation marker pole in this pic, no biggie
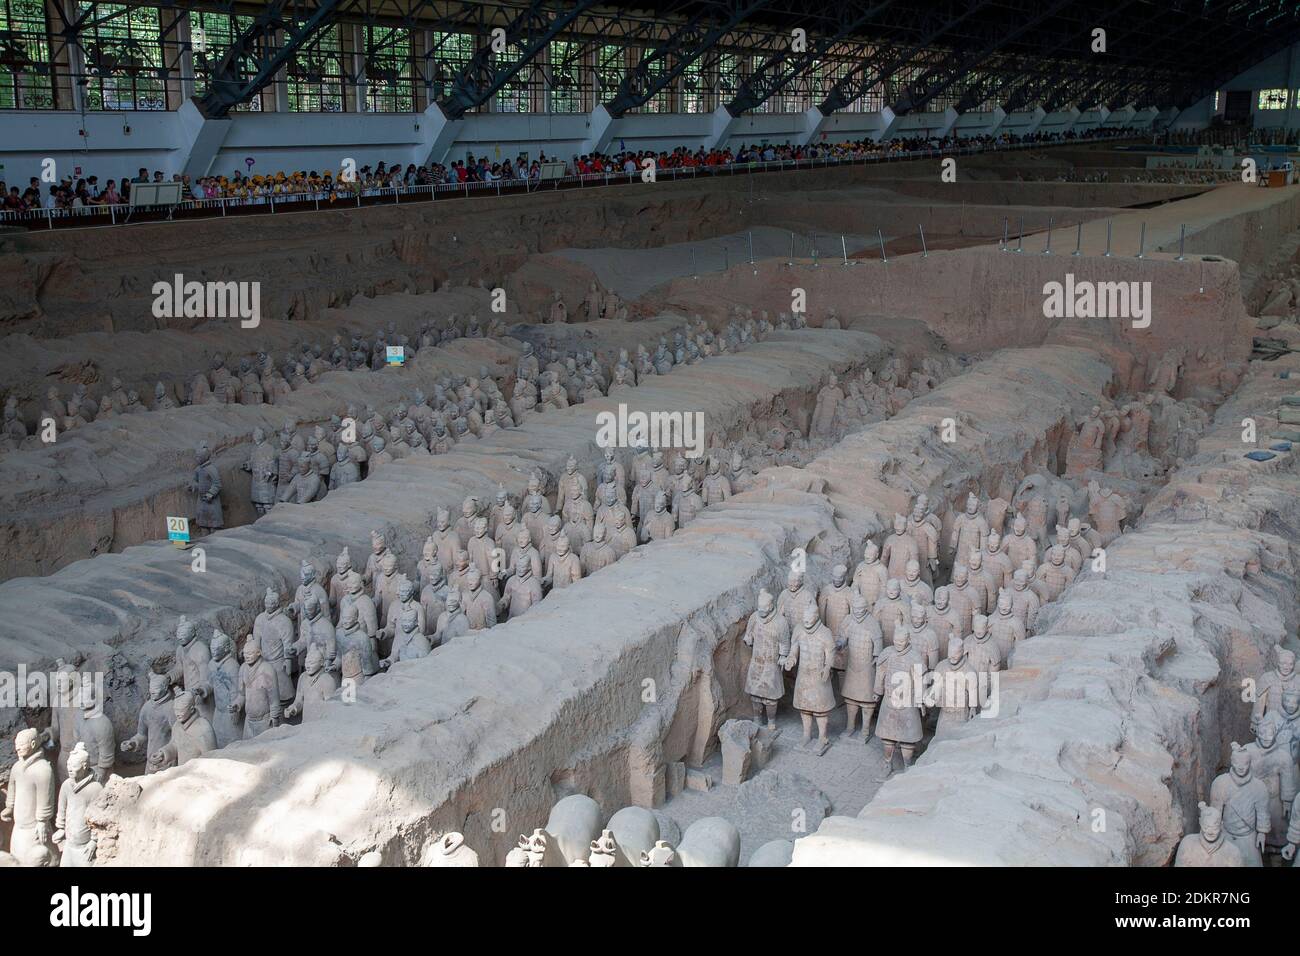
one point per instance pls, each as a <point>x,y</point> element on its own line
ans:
<point>1142,242</point>
<point>1108,224</point>
<point>1020,237</point>
<point>1182,239</point>
<point>1078,243</point>
<point>881,236</point>
<point>1004,234</point>
<point>925,253</point>
<point>1048,250</point>
<point>844,248</point>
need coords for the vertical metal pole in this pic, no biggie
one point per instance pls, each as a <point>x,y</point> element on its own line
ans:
<point>751,247</point>
<point>1107,252</point>
<point>1048,250</point>
<point>695,274</point>
<point>1078,243</point>
<point>1182,239</point>
<point>726,257</point>
<point>1005,225</point>
<point>1020,237</point>
<point>925,253</point>
<point>881,236</point>
<point>1142,242</point>
<point>844,248</point>
<point>791,260</point>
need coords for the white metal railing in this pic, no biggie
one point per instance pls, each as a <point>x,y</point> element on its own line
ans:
<point>121,213</point>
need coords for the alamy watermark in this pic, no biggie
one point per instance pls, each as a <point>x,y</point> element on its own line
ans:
<point>208,300</point>
<point>637,429</point>
<point>1085,299</point>
<point>60,688</point>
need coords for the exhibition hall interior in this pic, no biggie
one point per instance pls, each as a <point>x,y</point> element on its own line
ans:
<point>729,433</point>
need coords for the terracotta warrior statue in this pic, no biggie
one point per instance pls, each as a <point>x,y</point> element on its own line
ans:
<point>29,799</point>
<point>1271,686</point>
<point>969,532</point>
<point>258,692</point>
<point>206,486</point>
<point>899,725</point>
<point>191,665</point>
<point>316,684</point>
<point>261,465</point>
<point>812,650</point>
<point>956,692</point>
<point>154,725</point>
<point>522,589</point>
<point>192,735</point>
<point>71,833</point>
<point>1242,799</point>
<point>767,634</point>
<point>860,641</point>
<point>227,719</point>
<point>1209,847</point>
<point>870,575</point>
<point>899,548</point>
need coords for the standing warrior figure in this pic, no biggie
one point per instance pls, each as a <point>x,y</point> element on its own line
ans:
<point>29,800</point>
<point>192,735</point>
<point>925,528</point>
<point>191,665</point>
<point>768,635</point>
<point>206,485</point>
<point>956,692</point>
<point>227,722</point>
<point>1271,687</point>
<point>262,466</point>
<point>1242,799</point>
<point>258,692</point>
<point>154,725</point>
<point>861,642</point>
<point>1209,847</point>
<point>812,650</point>
<point>79,791</point>
<point>969,532</point>
<point>899,726</point>
<point>870,575</point>
<point>900,547</point>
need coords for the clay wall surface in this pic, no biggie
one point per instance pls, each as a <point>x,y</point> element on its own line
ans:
<point>1120,710</point>
<point>484,723</point>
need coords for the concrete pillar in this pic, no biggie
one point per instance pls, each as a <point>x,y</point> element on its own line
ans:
<point>437,134</point>
<point>201,139</point>
<point>888,123</point>
<point>721,123</point>
<point>600,130</point>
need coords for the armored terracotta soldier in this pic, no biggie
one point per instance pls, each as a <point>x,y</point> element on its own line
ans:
<point>943,617</point>
<point>997,563</point>
<point>622,538</point>
<point>1289,723</point>
<point>258,691</point>
<point>29,799</point>
<point>275,637</point>
<point>899,724</point>
<point>191,666</point>
<point>406,601</point>
<point>78,793</point>
<point>1271,686</point>
<point>954,687</point>
<point>690,504</point>
<point>1085,451</point>
<point>522,589</point>
<point>1005,626</point>
<point>227,720</point>
<point>351,637</point>
<point>578,518</point>
<point>767,634</point>
<point>206,485</point>
<point>564,567</point>
<point>479,604</point>
<point>790,603</point>
<point>345,471</point>
<point>860,641</point>
<point>1271,762</point>
<point>1053,576</point>
<point>95,732</point>
<point>315,630</point>
<point>899,548</point>
<point>1072,556</point>
<point>261,466</point>
<point>387,585</point>
<point>409,644</point>
<point>812,650</point>
<point>364,605</point>
<point>192,735</point>
<point>1025,602</point>
<point>925,528</point>
<point>870,575</point>
<point>1242,799</point>
<point>341,581</point>
<point>660,524</point>
<point>65,709</point>
<point>833,603</point>
<point>306,485</point>
<point>829,399</point>
<point>598,552</point>
<point>717,486</point>
<point>892,610</point>
<point>1020,546</point>
<point>914,586</point>
<point>1209,847</point>
<point>445,540</point>
<point>375,560</point>
<point>1108,510</point>
<point>154,725</point>
<point>982,650</point>
<point>452,622</point>
<point>982,586</point>
<point>969,531</point>
<point>923,637</point>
